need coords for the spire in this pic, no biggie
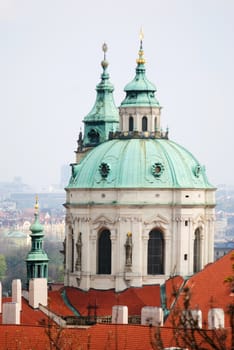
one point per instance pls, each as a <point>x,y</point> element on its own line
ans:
<point>104,116</point>
<point>141,59</point>
<point>36,227</point>
<point>140,91</point>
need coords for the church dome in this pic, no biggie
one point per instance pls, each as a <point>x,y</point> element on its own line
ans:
<point>139,207</point>
<point>139,163</point>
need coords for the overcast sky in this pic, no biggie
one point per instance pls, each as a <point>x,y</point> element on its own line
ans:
<point>50,54</point>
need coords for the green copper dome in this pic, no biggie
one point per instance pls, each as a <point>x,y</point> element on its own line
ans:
<point>139,163</point>
<point>36,227</point>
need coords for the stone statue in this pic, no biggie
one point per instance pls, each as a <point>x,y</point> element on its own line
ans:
<point>128,249</point>
<point>79,252</point>
<point>64,252</point>
<point>80,142</point>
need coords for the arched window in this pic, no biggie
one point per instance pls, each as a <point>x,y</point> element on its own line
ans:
<point>155,124</point>
<point>93,136</point>
<point>155,253</point>
<point>144,124</point>
<point>131,123</point>
<point>104,253</point>
<point>197,251</point>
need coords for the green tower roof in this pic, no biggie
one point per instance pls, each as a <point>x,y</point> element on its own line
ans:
<point>104,116</point>
<point>104,108</point>
<point>140,91</point>
<point>36,227</point>
<point>37,255</point>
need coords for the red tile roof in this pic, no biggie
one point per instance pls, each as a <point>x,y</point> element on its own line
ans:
<point>134,298</point>
<point>98,337</point>
<point>57,305</point>
<point>207,290</point>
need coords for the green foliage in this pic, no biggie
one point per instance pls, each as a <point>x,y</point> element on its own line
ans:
<point>13,265</point>
<point>56,270</point>
<point>16,267</point>
<point>3,267</point>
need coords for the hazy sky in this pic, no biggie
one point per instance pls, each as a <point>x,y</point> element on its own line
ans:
<point>50,54</point>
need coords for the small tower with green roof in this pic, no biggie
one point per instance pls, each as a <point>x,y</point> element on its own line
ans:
<point>140,110</point>
<point>104,116</point>
<point>37,259</point>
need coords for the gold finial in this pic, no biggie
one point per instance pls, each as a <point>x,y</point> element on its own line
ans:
<point>141,59</point>
<point>129,234</point>
<point>36,206</point>
<point>141,34</point>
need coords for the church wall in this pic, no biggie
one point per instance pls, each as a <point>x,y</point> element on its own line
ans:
<point>137,212</point>
<point>137,113</point>
<point>188,197</point>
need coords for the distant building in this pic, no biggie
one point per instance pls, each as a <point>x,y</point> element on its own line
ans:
<point>64,176</point>
<point>47,200</point>
<point>222,248</point>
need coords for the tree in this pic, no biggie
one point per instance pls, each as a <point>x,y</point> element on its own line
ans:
<point>186,330</point>
<point>3,267</point>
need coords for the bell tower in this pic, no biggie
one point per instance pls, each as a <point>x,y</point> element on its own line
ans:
<point>104,116</point>
<point>37,259</point>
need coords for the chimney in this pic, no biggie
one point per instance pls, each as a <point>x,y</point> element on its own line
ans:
<point>192,318</point>
<point>120,314</point>
<point>17,292</point>
<point>152,315</point>
<point>215,318</point>
<point>38,293</point>
<point>10,313</point>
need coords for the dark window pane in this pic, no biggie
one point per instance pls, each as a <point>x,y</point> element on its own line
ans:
<point>197,251</point>
<point>144,124</point>
<point>104,253</point>
<point>131,124</point>
<point>155,253</point>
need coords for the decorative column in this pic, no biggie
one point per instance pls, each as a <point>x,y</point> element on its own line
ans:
<point>145,239</point>
<point>167,254</point>
<point>114,262</point>
<point>93,252</point>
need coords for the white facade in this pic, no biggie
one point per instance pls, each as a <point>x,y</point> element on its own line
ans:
<point>152,115</point>
<point>180,216</point>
